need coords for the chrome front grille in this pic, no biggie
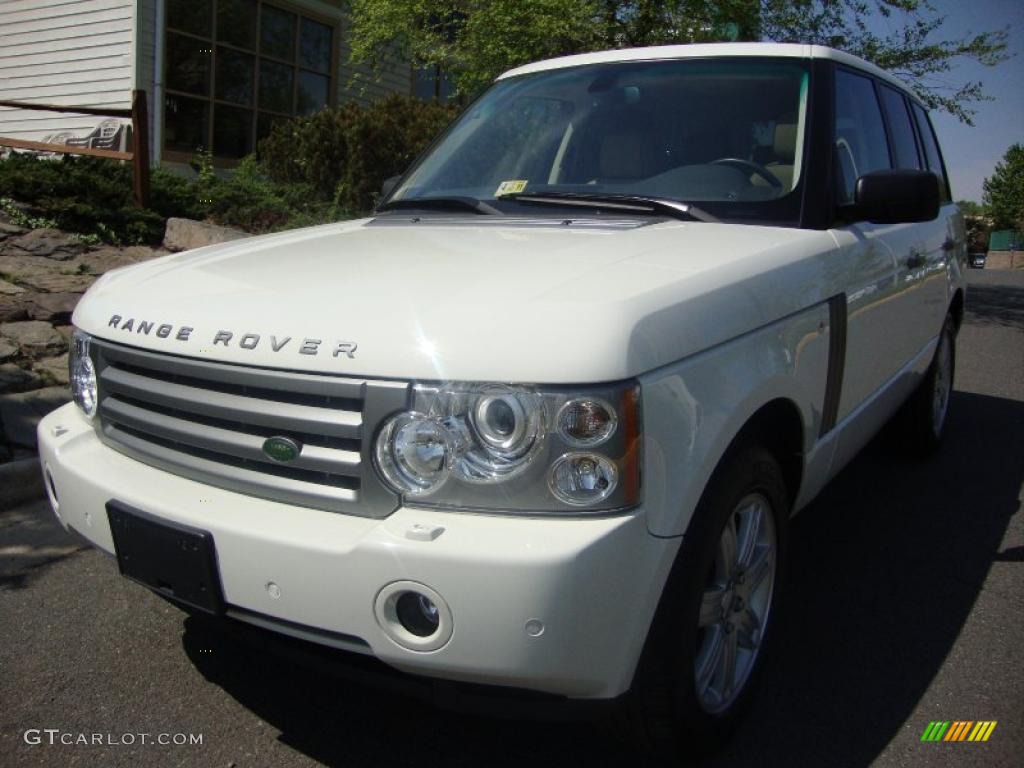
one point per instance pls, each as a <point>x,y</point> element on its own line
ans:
<point>208,421</point>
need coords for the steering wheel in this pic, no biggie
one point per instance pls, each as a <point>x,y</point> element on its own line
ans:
<point>750,167</point>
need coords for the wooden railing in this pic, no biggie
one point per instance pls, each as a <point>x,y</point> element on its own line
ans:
<point>139,156</point>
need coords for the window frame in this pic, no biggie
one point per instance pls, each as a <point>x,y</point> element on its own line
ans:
<point>210,98</point>
<point>945,191</point>
<point>922,162</point>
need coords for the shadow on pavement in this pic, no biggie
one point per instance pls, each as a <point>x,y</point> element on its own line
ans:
<point>995,304</point>
<point>885,567</point>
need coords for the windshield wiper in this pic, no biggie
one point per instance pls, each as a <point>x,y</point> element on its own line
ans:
<point>638,203</point>
<point>454,202</point>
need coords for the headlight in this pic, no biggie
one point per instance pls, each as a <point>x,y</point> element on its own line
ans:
<point>82,373</point>
<point>515,449</point>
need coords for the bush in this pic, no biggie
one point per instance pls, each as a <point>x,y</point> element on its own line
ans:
<point>82,194</point>
<point>93,197</point>
<point>247,199</point>
<point>345,154</point>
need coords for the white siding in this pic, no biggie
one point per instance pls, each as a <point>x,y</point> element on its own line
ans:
<point>67,52</point>
<point>363,84</point>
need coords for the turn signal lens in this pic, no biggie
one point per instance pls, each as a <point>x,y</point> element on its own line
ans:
<point>586,422</point>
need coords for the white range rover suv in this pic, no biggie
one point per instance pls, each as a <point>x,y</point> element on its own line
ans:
<point>541,420</point>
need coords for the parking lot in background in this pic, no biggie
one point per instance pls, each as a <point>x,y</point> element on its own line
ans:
<point>903,606</point>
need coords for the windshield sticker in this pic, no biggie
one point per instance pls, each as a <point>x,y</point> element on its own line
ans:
<point>513,187</point>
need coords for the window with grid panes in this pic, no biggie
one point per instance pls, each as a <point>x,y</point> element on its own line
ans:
<point>235,67</point>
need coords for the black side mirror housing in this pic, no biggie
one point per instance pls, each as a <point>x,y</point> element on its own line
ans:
<point>901,196</point>
<point>389,186</point>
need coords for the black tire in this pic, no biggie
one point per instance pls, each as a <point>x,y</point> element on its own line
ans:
<point>922,422</point>
<point>664,714</point>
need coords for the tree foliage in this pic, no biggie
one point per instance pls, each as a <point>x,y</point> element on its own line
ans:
<point>475,40</point>
<point>1004,190</point>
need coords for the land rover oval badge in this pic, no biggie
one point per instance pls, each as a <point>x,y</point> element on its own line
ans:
<point>281,449</point>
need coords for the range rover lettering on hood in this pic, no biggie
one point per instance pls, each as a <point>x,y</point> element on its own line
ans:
<point>245,341</point>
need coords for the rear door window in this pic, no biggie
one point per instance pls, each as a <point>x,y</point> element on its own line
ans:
<point>931,150</point>
<point>901,129</point>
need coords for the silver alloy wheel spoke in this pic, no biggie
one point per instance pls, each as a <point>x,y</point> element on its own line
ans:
<point>711,659</point>
<point>760,568</point>
<point>748,630</point>
<point>730,651</point>
<point>711,607</point>
<point>735,604</point>
<point>749,531</point>
<point>940,396</point>
<point>728,547</point>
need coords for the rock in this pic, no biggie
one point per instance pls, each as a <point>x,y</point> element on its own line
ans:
<point>137,253</point>
<point>50,282</point>
<point>8,229</point>
<point>53,307</point>
<point>35,338</point>
<point>50,243</point>
<point>15,379</point>
<point>17,268</point>
<point>67,331</point>
<point>21,413</point>
<point>53,369</point>
<point>105,259</point>
<point>7,350</point>
<point>12,308</point>
<point>10,289</point>
<point>185,234</point>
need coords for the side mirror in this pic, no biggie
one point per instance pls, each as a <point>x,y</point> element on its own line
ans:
<point>389,186</point>
<point>898,197</point>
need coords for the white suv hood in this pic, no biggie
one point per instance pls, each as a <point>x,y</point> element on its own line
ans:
<point>473,299</point>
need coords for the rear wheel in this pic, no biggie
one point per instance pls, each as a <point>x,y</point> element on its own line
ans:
<point>708,641</point>
<point>925,413</point>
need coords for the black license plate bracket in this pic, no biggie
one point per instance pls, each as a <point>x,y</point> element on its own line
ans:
<point>173,559</point>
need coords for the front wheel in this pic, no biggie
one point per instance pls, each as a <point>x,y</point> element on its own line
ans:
<point>708,641</point>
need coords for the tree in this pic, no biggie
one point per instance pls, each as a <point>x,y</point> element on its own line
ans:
<point>1004,190</point>
<point>475,40</point>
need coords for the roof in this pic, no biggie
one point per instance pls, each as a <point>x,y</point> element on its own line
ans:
<point>705,50</point>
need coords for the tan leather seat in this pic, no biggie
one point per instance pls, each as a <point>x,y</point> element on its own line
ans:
<point>784,149</point>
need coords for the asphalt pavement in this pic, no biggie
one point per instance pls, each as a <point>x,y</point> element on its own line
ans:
<point>905,605</point>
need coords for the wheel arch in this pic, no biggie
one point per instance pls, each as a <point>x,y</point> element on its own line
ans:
<point>778,427</point>
<point>956,308</point>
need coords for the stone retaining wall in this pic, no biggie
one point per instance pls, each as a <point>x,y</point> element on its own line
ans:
<point>43,274</point>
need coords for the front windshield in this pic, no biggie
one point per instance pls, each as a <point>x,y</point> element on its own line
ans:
<point>726,131</point>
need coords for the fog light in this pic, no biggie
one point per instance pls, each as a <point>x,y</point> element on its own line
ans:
<point>582,478</point>
<point>417,614</point>
<point>414,616</point>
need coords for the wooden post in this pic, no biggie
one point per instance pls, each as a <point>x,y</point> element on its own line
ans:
<point>140,138</point>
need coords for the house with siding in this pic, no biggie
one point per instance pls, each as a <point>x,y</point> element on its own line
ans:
<point>217,73</point>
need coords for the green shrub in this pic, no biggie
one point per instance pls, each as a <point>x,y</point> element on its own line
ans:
<point>345,154</point>
<point>81,194</point>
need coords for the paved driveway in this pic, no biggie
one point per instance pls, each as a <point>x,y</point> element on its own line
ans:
<point>905,605</point>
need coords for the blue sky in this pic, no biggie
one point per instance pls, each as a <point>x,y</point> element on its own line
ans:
<point>972,152</point>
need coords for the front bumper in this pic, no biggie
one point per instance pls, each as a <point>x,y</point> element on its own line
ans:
<point>590,585</point>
